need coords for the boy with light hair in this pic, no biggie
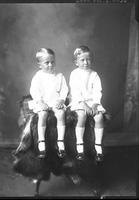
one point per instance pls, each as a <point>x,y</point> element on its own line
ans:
<point>86,94</point>
<point>49,91</point>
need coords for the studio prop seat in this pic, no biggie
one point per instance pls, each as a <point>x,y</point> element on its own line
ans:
<point>26,161</point>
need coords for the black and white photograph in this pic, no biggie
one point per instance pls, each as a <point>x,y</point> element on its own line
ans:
<point>69,99</point>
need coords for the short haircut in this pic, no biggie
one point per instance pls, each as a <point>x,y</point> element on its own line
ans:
<point>41,54</point>
<point>80,50</point>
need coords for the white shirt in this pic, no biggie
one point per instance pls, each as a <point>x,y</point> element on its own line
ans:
<point>85,85</point>
<point>48,87</point>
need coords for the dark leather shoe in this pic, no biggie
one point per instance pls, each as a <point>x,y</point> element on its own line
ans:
<point>99,157</point>
<point>80,156</point>
<point>61,153</point>
<point>42,154</point>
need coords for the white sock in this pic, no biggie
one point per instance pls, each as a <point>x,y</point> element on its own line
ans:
<point>41,137</point>
<point>79,138</point>
<point>61,134</point>
<point>98,139</point>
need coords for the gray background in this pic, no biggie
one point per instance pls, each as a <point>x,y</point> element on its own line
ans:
<point>24,28</point>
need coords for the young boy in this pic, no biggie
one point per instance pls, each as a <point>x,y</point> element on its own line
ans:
<point>86,93</point>
<point>48,90</point>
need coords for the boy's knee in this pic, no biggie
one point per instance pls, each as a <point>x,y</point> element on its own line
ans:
<point>98,118</point>
<point>81,116</point>
<point>60,114</point>
<point>42,115</point>
<point>81,113</point>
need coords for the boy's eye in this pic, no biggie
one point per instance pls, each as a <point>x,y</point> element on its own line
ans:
<point>47,63</point>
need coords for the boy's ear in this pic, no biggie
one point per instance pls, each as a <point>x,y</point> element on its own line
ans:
<point>75,61</point>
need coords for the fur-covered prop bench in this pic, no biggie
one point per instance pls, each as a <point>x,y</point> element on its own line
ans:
<point>26,161</point>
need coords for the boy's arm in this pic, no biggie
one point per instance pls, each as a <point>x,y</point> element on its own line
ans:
<point>64,89</point>
<point>97,90</point>
<point>75,88</point>
<point>35,90</point>
<point>97,94</point>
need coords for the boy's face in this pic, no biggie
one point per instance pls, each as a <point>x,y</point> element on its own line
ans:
<point>84,61</point>
<point>48,65</point>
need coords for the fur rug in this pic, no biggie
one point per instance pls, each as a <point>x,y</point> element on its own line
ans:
<point>29,165</point>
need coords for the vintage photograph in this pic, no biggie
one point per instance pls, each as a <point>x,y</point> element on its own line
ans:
<point>69,99</point>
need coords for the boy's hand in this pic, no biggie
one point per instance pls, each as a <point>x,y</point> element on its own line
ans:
<point>60,104</point>
<point>42,105</point>
<point>87,109</point>
<point>94,109</point>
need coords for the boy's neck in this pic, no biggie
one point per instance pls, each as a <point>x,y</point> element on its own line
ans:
<point>87,70</point>
<point>48,72</point>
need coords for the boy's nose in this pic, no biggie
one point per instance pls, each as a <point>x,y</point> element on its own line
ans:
<point>50,64</point>
<point>85,61</point>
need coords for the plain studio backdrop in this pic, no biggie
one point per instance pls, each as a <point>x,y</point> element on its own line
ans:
<point>108,29</point>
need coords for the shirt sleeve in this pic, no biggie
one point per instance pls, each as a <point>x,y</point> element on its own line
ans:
<point>35,89</point>
<point>75,88</point>
<point>97,89</point>
<point>64,88</point>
